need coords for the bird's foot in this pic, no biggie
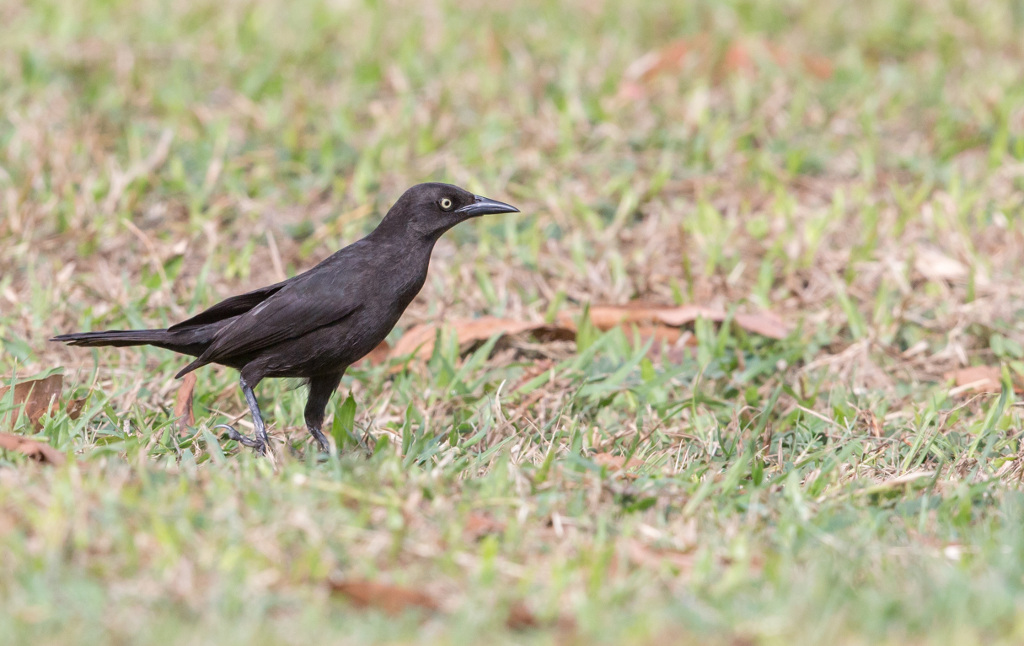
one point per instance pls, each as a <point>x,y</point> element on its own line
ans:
<point>321,440</point>
<point>244,440</point>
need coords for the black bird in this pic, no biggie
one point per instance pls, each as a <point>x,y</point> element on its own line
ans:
<point>318,323</point>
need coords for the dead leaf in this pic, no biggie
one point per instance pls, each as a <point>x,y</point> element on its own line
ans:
<point>75,407</point>
<point>616,463</point>
<point>538,368</point>
<point>480,525</point>
<point>34,449</point>
<point>653,63</point>
<point>714,60</point>
<point>979,379</point>
<point>873,424</point>
<point>605,317</point>
<point>818,66</point>
<point>648,557</point>
<point>521,618</point>
<point>391,599</point>
<point>658,322</point>
<point>420,338</point>
<point>38,396</point>
<point>767,324</point>
<point>737,59</point>
<point>663,338</point>
<point>660,333</point>
<point>379,354</point>
<point>937,266</point>
<point>183,411</point>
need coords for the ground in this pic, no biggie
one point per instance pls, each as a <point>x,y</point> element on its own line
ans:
<point>854,169</point>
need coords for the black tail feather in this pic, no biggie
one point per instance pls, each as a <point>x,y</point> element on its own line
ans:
<point>114,338</point>
<point>198,363</point>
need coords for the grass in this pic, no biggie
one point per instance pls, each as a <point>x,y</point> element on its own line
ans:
<point>829,487</point>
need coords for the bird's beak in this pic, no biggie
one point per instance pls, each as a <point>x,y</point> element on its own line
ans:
<point>484,206</point>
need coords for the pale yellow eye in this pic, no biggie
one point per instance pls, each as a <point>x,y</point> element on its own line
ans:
<point>446,204</point>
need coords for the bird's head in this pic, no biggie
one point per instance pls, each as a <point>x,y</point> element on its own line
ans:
<point>431,209</point>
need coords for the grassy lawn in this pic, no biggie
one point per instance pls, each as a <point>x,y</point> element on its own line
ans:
<point>855,168</point>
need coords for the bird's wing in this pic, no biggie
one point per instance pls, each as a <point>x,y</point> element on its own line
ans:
<point>305,304</point>
<point>230,307</point>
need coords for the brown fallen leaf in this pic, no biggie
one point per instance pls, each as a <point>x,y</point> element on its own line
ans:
<point>653,63</point>
<point>538,368</point>
<point>183,411</point>
<point>936,266</point>
<point>714,60</point>
<point>391,599</point>
<point>648,557</point>
<point>616,463</point>
<point>817,66</point>
<point>737,58</point>
<point>665,339</point>
<point>767,324</point>
<point>662,334</point>
<point>379,354</point>
<point>480,525</point>
<point>421,338</point>
<point>75,407</point>
<point>521,618</point>
<point>979,379</point>
<point>37,396</point>
<point>872,422</point>
<point>651,321</point>
<point>34,449</point>
<point>605,317</point>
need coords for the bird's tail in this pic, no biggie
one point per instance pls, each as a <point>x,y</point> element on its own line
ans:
<point>115,338</point>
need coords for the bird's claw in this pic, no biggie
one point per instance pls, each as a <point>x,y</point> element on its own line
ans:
<point>244,440</point>
<point>321,440</point>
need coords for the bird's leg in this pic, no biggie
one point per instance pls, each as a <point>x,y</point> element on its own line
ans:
<point>320,390</point>
<point>262,441</point>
